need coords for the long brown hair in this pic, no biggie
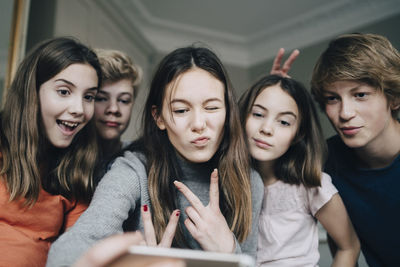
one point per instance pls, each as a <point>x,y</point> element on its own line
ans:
<point>23,139</point>
<point>302,163</point>
<point>232,156</point>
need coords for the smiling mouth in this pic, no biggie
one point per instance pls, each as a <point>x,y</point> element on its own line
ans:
<point>67,127</point>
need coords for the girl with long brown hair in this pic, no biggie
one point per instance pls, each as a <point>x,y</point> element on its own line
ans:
<point>47,148</point>
<point>191,127</point>
<point>287,148</point>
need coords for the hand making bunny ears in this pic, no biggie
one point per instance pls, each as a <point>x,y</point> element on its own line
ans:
<point>276,66</point>
<point>206,223</point>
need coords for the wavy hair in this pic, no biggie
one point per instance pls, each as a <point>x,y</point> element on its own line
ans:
<point>232,156</point>
<point>23,139</point>
<point>302,162</point>
<point>116,66</point>
<point>367,58</point>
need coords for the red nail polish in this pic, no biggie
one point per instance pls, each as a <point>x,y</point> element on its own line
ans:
<point>177,213</point>
<point>145,208</point>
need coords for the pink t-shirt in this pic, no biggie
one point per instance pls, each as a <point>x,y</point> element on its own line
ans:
<point>288,231</point>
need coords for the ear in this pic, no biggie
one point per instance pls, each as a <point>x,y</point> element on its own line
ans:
<point>157,118</point>
<point>395,104</point>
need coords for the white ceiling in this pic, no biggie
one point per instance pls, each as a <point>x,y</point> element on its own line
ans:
<point>242,32</point>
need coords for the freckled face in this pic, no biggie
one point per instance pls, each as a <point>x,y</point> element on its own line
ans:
<point>359,113</point>
<point>272,124</point>
<point>67,103</point>
<point>193,114</point>
<point>113,108</point>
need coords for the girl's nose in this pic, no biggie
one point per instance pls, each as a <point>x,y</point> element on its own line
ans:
<point>198,122</point>
<point>266,128</point>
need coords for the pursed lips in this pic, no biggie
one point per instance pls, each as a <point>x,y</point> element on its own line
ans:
<point>262,144</point>
<point>200,141</point>
<point>350,130</point>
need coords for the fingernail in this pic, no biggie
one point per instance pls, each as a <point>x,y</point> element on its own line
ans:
<point>178,213</point>
<point>215,172</point>
<point>145,208</point>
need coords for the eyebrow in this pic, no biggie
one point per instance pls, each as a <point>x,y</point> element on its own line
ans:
<point>125,93</point>
<point>72,84</point>
<point>65,81</point>
<point>178,100</point>
<point>280,113</point>
<point>120,94</point>
<point>351,90</point>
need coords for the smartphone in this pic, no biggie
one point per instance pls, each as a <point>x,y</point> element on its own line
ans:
<point>160,257</point>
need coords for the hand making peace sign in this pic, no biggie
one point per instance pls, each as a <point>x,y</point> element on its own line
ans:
<point>149,233</point>
<point>206,223</point>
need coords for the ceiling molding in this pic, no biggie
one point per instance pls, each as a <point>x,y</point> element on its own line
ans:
<point>299,30</point>
<point>112,8</point>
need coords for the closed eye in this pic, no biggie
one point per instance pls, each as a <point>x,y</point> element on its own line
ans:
<point>284,123</point>
<point>124,101</point>
<point>212,108</point>
<point>257,114</point>
<point>331,99</point>
<point>180,111</point>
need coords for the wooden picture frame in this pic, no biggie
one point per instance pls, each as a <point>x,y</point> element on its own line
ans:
<point>18,33</point>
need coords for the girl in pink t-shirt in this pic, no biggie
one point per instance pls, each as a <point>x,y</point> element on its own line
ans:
<point>287,147</point>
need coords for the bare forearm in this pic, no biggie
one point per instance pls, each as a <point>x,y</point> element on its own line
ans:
<point>346,257</point>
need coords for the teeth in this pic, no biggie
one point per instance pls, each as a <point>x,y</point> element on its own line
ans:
<point>70,124</point>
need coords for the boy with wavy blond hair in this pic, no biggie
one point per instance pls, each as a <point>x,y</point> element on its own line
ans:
<point>356,81</point>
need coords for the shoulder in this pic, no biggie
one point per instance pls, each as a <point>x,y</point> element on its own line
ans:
<point>257,185</point>
<point>326,185</point>
<point>130,159</point>
<point>127,170</point>
<point>319,196</point>
<point>255,179</point>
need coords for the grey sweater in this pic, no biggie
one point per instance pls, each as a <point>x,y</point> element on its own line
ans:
<point>115,207</point>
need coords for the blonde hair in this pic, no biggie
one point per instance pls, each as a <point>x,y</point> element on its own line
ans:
<point>116,66</point>
<point>367,58</point>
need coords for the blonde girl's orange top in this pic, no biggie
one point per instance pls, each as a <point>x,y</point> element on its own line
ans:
<point>26,233</point>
